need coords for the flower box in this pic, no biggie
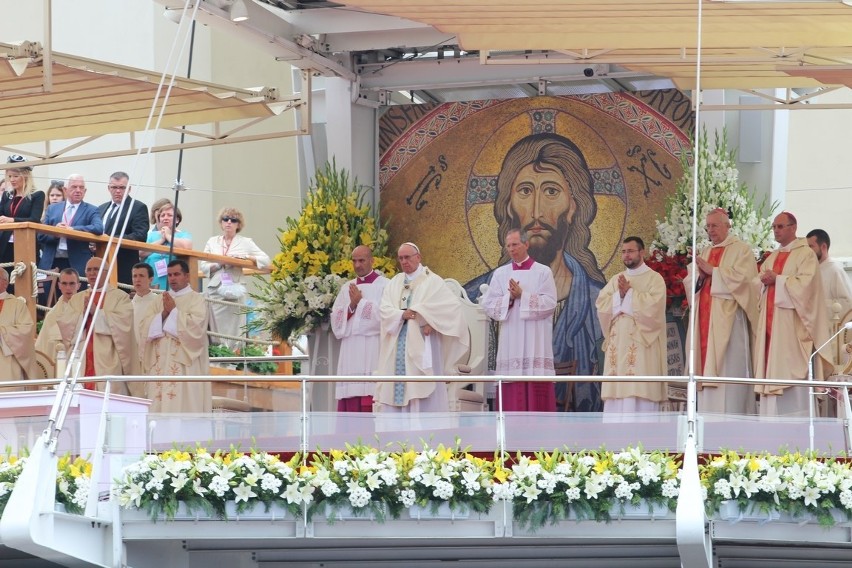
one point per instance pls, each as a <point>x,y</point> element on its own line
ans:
<point>254,511</point>
<point>183,514</point>
<point>347,513</point>
<point>644,510</point>
<point>730,511</point>
<point>443,511</point>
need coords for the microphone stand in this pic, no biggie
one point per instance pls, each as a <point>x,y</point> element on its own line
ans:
<point>846,326</point>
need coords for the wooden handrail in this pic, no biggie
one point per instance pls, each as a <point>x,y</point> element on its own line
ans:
<point>25,251</point>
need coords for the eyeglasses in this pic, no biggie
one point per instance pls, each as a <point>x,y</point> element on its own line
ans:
<point>115,187</point>
<point>629,251</point>
<point>780,226</point>
<point>230,220</point>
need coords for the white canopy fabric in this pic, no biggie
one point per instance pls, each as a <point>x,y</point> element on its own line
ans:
<point>745,44</point>
<point>85,98</point>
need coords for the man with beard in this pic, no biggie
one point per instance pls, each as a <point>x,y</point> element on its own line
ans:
<point>835,283</point>
<point>545,188</point>
<point>632,310</point>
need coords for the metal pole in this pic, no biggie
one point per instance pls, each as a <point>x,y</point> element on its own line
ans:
<point>178,187</point>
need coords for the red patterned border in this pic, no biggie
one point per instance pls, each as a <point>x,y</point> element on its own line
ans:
<point>442,119</point>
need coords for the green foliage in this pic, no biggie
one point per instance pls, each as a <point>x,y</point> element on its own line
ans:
<point>260,368</point>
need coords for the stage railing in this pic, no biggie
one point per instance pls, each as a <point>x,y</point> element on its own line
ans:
<point>293,425</point>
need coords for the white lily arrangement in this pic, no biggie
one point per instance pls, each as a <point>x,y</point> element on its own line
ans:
<point>718,186</point>
<point>793,483</point>
<point>549,487</point>
<point>204,482</point>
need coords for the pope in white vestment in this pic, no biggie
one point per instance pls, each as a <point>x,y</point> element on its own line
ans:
<point>358,331</point>
<point>16,338</point>
<point>522,297</point>
<point>791,320</point>
<point>422,333</point>
<point>725,315</point>
<point>632,312</point>
<point>176,345</point>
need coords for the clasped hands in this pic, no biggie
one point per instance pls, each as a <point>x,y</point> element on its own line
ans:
<point>410,314</point>
<point>704,267</point>
<point>168,304</point>
<point>623,285</point>
<point>355,296</point>
<point>515,289</point>
<point>768,278</point>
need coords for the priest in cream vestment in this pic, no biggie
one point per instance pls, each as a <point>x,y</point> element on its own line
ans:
<point>632,312</point>
<point>725,313</point>
<point>112,349</point>
<point>16,335</point>
<point>176,345</point>
<point>50,341</point>
<point>422,333</point>
<point>791,320</point>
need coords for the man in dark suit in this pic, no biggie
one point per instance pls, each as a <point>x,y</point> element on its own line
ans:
<point>136,228</point>
<point>73,213</point>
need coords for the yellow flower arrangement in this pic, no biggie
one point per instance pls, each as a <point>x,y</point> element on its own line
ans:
<point>73,479</point>
<point>315,257</point>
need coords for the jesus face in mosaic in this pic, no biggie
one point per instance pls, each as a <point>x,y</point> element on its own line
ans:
<point>541,200</point>
<point>545,188</point>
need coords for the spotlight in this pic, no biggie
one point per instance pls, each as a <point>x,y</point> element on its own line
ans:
<point>173,15</point>
<point>589,72</point>
<point>238,11</point>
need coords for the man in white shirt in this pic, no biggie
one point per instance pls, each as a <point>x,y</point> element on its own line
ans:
<point>73,213</point>
<point>355,321</point>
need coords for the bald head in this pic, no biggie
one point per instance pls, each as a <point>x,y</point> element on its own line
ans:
<point>784,228</point>
<point>92,268</point>
<point>362,260</point>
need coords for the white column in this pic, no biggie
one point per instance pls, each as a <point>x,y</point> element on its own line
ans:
<point>351,131</point>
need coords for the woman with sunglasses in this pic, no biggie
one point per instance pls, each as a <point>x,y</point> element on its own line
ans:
<point>226,281</point>
<point>20,202</point>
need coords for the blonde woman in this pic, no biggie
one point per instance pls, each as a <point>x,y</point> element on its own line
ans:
<point>20,202</point>
<point>226,282</point>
